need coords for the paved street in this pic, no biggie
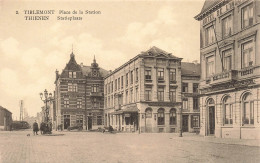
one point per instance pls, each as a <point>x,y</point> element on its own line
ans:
<point>15,146</point>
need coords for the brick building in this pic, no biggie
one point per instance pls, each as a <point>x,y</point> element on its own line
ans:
<point>190,76</point>
<point>230,64</point>
<point>79,95</point>
<point>144,94</point>
<point>5,119</point>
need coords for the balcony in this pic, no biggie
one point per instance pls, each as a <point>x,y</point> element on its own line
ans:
<point>223,77</point>
<point>249,72</point>
<point>96,94</point>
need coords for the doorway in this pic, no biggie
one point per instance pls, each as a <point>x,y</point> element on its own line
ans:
<point>89,123</point>
<point>211,120</point>
<point>66,121</point>
<point>185,123</point>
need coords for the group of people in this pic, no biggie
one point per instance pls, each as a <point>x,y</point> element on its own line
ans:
<point>45,128</point>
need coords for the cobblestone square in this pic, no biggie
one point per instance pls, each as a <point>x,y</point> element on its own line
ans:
<point>17,147</point>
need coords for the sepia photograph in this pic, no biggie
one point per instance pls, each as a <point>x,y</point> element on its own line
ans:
<point>129,81</point>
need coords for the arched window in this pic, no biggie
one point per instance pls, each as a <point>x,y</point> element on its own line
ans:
<point>160,116</point>
<point>148,113</point>
<point>210,101</point>
<point>173,116</point>
<point>228,110</point>
<point>248,109</point>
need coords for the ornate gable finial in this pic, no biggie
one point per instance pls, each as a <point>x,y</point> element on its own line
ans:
<point>94,61</point>
<point>72,55</point>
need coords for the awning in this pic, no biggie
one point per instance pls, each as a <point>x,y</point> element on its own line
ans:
<point>131,109</point>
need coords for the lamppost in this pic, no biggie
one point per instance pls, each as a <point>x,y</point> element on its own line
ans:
<point>46,99</point>
<point>180,122</point>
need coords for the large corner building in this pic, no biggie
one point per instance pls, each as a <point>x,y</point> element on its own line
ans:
<point>144,94</point>
<point>230,64</point>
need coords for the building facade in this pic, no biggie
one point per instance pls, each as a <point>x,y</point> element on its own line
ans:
<point>144,94</point>
<point>79,95</point>
<point>230,64</point>
<point>190,76</point>
<point>5,119</point>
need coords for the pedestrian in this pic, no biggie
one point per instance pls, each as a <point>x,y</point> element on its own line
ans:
<point>35,128</point>
<point>42,127</point>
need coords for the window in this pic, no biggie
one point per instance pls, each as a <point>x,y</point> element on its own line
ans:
<point>66,103</point>
<point>227,59</point>
<point>185,103</point>
<point>132,77</point>
<point>148,74</point>
<point>112,100</point>
<point>184,87</point>
<point>112,89</point>
<point>226,26</point>
<point>172,75</point>
<point>247,16</point>
<point>160,94</point>
<point>126,97</point>
<point>160,74</point>
<point>116,84</point>
<point>172,95</point>
<point>228,111</point>
<point>79,103</point>
<point>131,96</point>
<point>108,87</point>
<point>136,74</point>
<point>126,82</point>
<point>210,69</point>
<point>148,113</point>
<point>160,116</point>
<point>248,109</point>
<point>136,94</point>
<point>108,102</point>
<point>248,54</point>
<point>72,74</point>
<point>210,35</point>
<point>195,87</point>
<point>95,103</point>
<point>94,88</point>
<point>122,81</point>
<point>99,120</point>
<point>195,103</point>
<point>79,119</point>
<point>173,117</point>
<point>195,121</point>
<point>148,94</point>
<point>72,87</point>
<point>105,90</point>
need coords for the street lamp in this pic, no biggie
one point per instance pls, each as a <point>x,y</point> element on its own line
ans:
<point>46,99</point>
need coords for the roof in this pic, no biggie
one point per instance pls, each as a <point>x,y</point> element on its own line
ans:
<point>155,51</point>
<point>210,4</point>
<point>87,69</point>
<point>2,108</point>
<point>190,69</point>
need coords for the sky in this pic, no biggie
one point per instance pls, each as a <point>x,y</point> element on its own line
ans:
<point>31,51</point>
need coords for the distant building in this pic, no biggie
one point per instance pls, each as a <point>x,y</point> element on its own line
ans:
<point>190,76</point>
<point>144,94</point>
<point>230,64</point>
<point>5,119</point>
<point>79,95</point>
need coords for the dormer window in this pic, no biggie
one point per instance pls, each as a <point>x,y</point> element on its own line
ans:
<point>72,74</point>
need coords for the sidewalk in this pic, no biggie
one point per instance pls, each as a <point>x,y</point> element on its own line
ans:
<point>212,139</point>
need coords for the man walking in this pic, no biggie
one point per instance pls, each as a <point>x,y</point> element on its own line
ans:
<point>35,128</point>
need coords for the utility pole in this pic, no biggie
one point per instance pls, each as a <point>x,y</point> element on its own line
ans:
<point>21,110</point>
